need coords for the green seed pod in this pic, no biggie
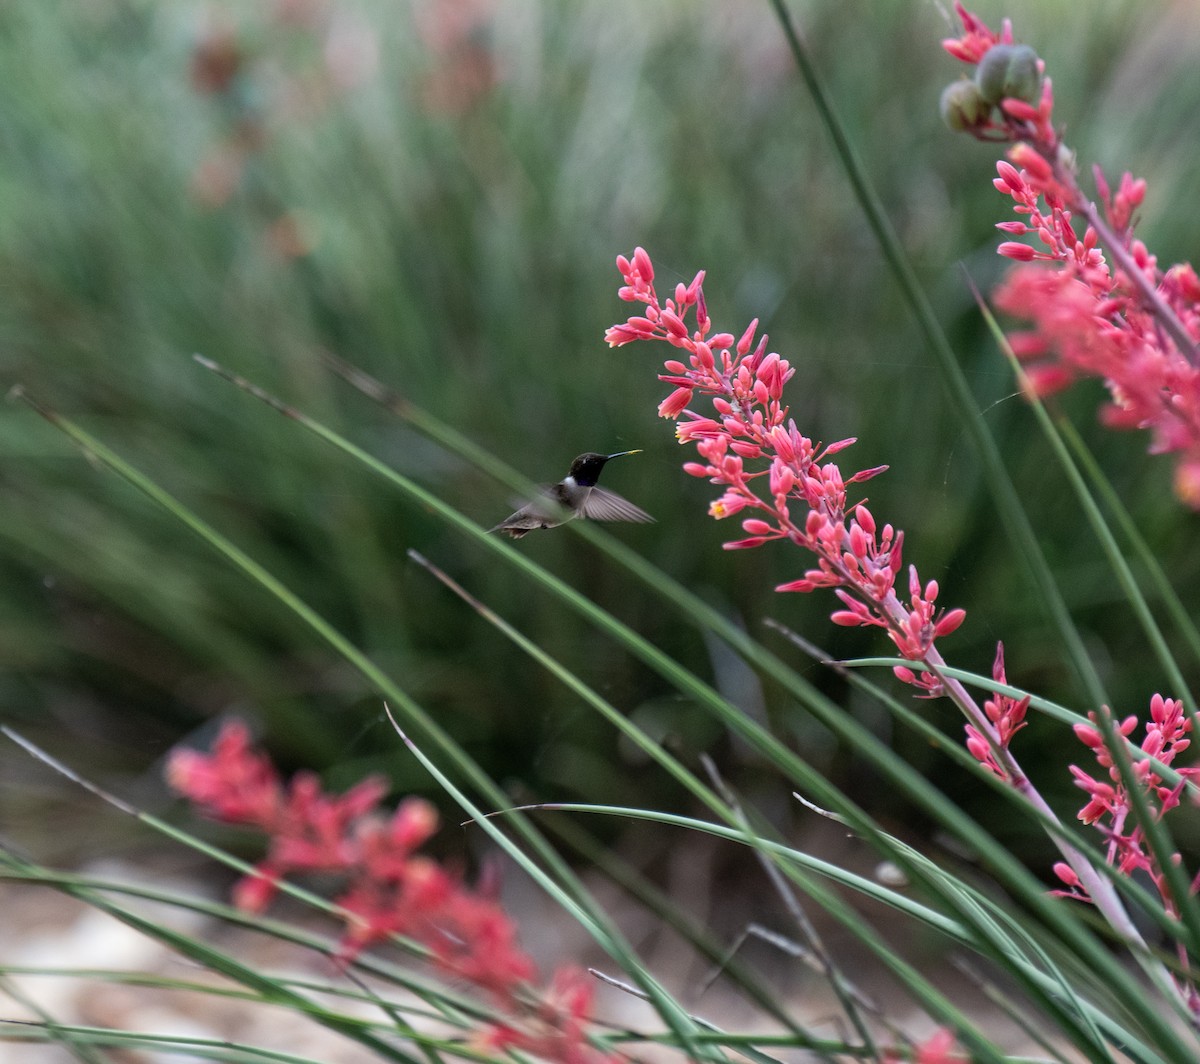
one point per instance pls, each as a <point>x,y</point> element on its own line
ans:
<point>963,108</point>
<point>1009,70</point>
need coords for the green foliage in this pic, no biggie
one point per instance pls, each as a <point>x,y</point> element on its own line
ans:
<point>463,255</point>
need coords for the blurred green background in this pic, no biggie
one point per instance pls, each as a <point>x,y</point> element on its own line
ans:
<point>436,192</point>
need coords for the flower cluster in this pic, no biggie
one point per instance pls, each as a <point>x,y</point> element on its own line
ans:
<point>391,890</point>
<point>1007,717</point>
<point>750,424</point>
<point>1109,805</point>
<point>1118,318</point>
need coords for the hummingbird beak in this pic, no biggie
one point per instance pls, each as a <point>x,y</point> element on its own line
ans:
<point>621,454</point>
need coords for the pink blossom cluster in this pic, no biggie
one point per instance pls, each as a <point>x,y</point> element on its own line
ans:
<point>1098,303</point>
<point>1109,805</point>
<point>1007,717</point>
<point>391,889</point>
<point>751,448</point>
<point>1110,808</point>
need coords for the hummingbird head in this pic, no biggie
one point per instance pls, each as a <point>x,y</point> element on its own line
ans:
<point>585,470</point>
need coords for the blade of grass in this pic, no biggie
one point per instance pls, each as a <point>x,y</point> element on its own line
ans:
<point>55,1032</point>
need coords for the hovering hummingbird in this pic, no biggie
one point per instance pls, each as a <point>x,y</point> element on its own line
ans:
<point>576,495</point>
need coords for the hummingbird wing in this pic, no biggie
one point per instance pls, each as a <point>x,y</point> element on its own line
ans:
<point>545,511</point>
<point>604,505</point>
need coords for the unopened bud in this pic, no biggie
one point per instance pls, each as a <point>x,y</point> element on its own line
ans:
<point>963,109</point>
<point>1008,71</point>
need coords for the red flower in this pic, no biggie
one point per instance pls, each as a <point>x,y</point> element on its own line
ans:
<point>390,889</point>
<point>1109,804</point>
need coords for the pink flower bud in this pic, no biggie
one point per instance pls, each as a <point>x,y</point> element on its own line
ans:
<point>746,450</point>
<point>1011,249</point>
<point>702,357</point>
<point>1011,177</point>
<point>804,586</point>
<point>846,618</point>
<point>978,748</point>
<point>674,324</point>
<point>1019,109</point>
<point>1066,873</point>
<point>744,544</point>
<point>675,403</point>
<point>950,622</point>
<point>1027,157</point>
<point>643,265</point>
<point>747,339</point>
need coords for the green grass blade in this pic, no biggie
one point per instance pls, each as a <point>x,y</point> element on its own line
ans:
<point>647,983</point>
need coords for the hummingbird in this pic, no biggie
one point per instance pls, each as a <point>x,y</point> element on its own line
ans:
<point>576,495</point>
